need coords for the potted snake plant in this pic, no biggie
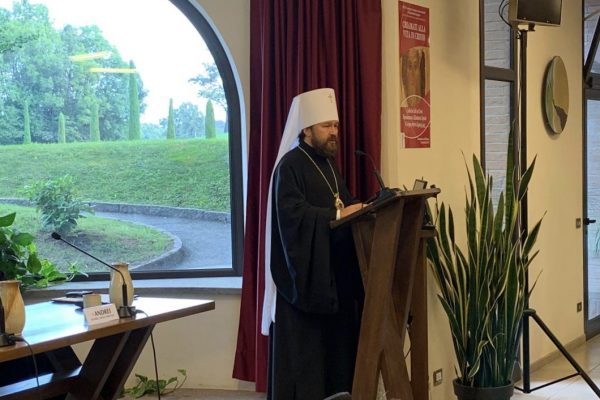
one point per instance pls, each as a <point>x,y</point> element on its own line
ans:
<point>482,282</point>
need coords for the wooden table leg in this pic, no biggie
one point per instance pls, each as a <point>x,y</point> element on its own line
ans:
<point>63,359</point>
<point>97,367</point>
<point>108,365</point>
<point>124,365</point>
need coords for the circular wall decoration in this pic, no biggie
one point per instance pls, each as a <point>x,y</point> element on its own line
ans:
<point>556,95</point>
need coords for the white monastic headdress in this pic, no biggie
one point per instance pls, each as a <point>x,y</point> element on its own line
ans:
<point>307,109</point>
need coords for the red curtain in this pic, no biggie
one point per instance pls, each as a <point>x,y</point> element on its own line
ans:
<point>295,46</point>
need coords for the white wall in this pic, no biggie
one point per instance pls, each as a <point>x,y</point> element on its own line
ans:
<point>557,183</point>
<point>454,53</point>
<point>556,187</point>
<point>203,345</point>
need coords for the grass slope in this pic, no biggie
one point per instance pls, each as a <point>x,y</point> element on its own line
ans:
<point>178,173</point>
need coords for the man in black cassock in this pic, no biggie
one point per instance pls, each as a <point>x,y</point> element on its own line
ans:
<point>314,336</point>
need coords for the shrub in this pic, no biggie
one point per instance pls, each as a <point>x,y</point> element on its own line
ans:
<point>19,259</point>
<point>56,201</point>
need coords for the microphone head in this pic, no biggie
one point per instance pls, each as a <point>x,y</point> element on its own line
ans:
<point>56,236</point>
<point>360,153</point>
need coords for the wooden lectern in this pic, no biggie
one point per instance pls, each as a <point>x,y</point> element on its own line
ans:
<point>389,236</point>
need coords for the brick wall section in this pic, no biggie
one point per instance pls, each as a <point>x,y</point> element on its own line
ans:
<point>497,94</point>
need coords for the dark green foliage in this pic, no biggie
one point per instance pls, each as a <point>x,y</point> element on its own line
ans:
<point>483,286</point>
<point>61,128</point>
<point>94,124</point>
<point>26,123</point>
<point>148,386</point>
<point>19,259</point>
<point>56,201</point>
<point>171,122</point>
<point>16,252</point>
<point>209,122</point>
<point>135,132</point>
<point>35,65</point>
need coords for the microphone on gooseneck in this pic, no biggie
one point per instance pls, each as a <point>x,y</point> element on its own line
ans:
<point>377,174</point>
<point>385,191</point>
<point>125,311</point>
<point>5,339</point>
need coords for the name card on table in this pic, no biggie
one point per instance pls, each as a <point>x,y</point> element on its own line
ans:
<point>101,314</point>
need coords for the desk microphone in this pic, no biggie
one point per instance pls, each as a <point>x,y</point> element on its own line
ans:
<point>125,311</point>
<point>385,191</point>
<point>5,339</point>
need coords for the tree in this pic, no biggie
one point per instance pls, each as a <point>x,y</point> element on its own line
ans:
<point>153,131</point>
<point>209,122</point>
<point>26,123</point>
<point>35,63</point>
<point>171,123</point>
<point>61,128</point>
<point>211,86</point>
<point>189,121</point>
<point>110,91</point>
<point>95,124</point>
<point>134,106</point>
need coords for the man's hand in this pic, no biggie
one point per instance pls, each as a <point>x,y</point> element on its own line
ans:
<point>351,209</point>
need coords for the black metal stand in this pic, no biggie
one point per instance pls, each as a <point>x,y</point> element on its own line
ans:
<point>529,312</point>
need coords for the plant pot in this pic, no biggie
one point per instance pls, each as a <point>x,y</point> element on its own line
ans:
<point>14,308</point>
<point>116,285</point>
<point>463,392</point>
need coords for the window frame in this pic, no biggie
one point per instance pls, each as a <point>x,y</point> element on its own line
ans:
<point>196,17</point>
<point>495,74</point>
<point>234,116</point>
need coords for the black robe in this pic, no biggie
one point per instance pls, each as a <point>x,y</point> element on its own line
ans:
<point>319,290</point>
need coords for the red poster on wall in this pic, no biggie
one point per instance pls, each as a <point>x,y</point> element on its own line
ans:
<point>415,122</point>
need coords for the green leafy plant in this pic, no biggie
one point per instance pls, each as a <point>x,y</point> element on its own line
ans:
<point>483,287</point>
<point>56,201</point>
<point>19,259</point>
<point>145,385</point>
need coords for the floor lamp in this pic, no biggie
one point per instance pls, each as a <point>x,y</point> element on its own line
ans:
<point>530,313</point>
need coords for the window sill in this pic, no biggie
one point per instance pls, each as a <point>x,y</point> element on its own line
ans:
<point>185,287</point>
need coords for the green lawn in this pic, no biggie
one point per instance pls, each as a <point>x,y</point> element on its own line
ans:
<point>109,240</point>
<point>178,173</point>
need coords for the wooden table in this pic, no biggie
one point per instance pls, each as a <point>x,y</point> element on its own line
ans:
<point>51,328</point>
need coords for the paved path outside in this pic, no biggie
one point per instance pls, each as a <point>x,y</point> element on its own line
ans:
<point>205,244</point>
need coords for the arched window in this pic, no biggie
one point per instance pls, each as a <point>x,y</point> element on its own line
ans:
<point>132,108</point>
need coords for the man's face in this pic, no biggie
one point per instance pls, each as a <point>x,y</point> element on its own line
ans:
<point>323,137</point>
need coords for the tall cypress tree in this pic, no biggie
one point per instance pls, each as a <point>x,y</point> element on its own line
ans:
<point>135,131</point>
<point>210,129</point>
<point>26,123</point>
<point>171,122</point>
<point>61,128</point>
<point>95,124</point>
